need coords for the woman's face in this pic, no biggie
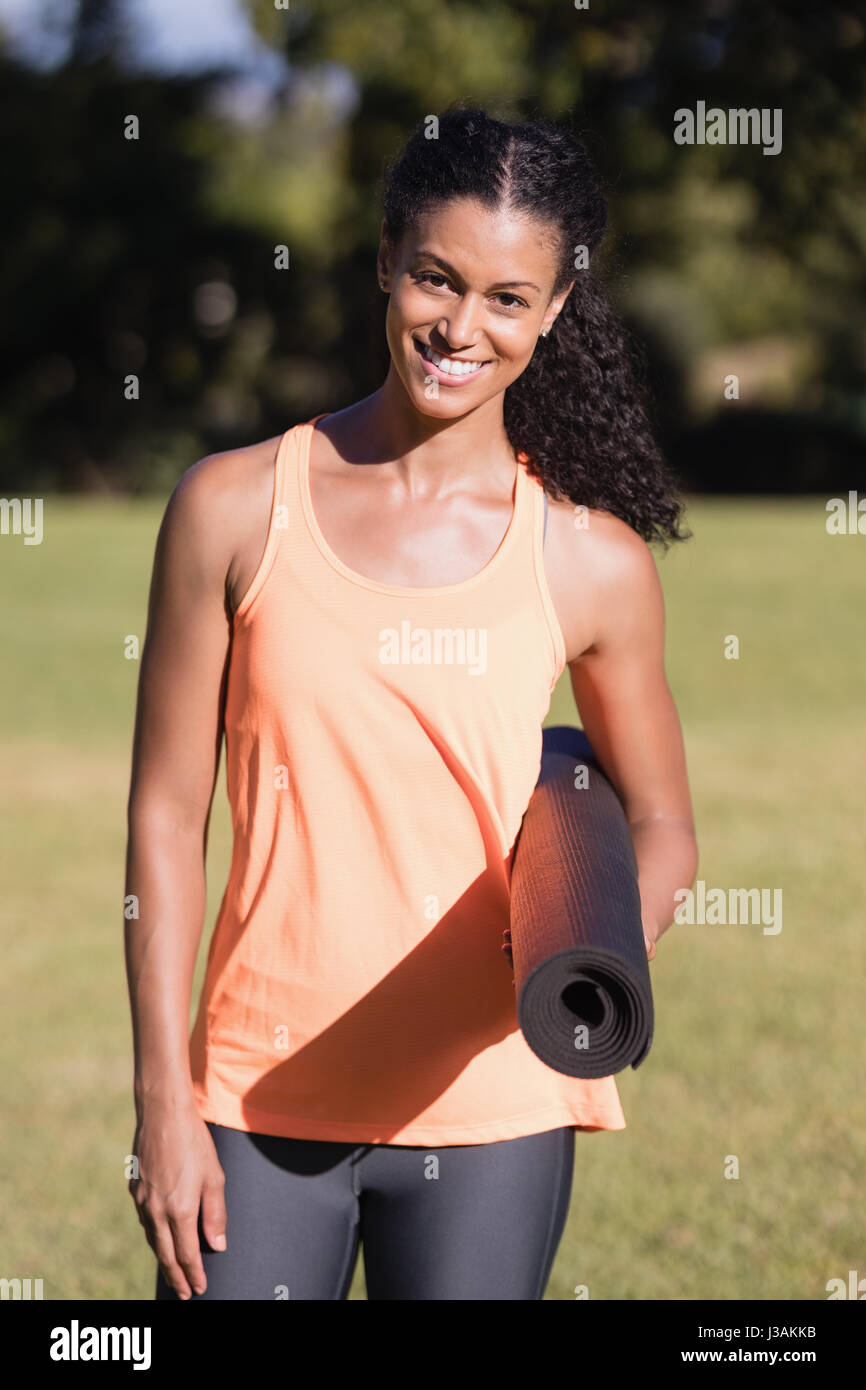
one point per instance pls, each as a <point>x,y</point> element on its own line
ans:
<point>467,285</point>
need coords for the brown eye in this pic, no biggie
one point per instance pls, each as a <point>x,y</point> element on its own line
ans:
<point>426,276</point>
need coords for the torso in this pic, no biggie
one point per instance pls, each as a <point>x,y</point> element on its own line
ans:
<point>426,883</point>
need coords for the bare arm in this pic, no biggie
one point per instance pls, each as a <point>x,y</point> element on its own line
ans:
<point>625,704</point>
<point>175,760</point>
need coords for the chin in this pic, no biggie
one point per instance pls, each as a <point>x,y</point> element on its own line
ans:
<point>445,407</point>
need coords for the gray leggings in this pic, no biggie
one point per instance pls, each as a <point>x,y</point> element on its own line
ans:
<point>478,1221</point>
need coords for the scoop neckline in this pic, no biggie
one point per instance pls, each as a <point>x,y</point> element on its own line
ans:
<point>403,590</point>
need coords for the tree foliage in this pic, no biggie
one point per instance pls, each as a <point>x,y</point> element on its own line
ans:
<point>154,258</point>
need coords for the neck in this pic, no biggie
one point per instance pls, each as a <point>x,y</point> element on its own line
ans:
<point>420,449</point>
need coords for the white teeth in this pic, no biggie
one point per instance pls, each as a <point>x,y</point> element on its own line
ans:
<point>448,365</point>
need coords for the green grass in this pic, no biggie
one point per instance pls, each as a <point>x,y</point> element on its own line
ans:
<point>758,1038</point>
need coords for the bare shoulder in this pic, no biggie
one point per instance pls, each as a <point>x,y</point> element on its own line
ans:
<point>219,513</point>
<point>218,483</point>
<point>600,572</point>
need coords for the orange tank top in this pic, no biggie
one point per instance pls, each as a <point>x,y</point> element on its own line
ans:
<point>382,744</point>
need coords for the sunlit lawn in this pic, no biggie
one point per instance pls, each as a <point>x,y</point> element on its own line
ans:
<point>758,1049</point>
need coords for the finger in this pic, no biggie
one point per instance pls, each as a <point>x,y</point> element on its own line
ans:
<point>184,1229</point>
<point>213,1214</point>
<point>163,1247</point>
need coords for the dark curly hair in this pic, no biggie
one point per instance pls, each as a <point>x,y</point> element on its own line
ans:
<point>580,408</point>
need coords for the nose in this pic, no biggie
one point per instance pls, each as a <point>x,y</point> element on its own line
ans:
<point>459,327</point>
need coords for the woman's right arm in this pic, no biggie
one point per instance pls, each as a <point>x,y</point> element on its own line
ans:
<point>178,733</point>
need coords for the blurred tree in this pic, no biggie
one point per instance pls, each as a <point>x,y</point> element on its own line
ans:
<point>715,246</point>
<point>152,257</point>
<point>155,256</point>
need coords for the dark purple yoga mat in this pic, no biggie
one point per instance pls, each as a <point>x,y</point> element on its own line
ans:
<point>584,999</point>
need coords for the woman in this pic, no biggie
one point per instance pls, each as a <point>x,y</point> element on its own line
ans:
<point>375,606</point>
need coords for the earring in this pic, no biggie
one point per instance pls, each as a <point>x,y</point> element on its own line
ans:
<point>543,333</point>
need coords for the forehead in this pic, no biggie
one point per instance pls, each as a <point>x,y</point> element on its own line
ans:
<point>493,243</point>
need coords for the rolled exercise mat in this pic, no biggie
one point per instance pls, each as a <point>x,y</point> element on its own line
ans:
<point>577,939</point>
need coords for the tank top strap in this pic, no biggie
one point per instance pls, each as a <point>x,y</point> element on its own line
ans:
<point>537,526</point>
<point>283,511</point>
<point>535,506</point>
<point>290,457</point>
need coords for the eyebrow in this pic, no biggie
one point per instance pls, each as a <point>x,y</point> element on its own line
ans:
<point>501,285</point>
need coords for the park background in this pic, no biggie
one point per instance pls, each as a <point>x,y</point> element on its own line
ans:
<point>262,126</point>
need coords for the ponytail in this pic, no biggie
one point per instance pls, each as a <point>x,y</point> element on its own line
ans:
<point>579,411</point>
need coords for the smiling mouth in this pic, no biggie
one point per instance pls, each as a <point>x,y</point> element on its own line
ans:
<point>451,366</point>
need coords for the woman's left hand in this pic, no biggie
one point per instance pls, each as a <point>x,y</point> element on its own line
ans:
<point>650,946</point>
<point>506,946</point>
